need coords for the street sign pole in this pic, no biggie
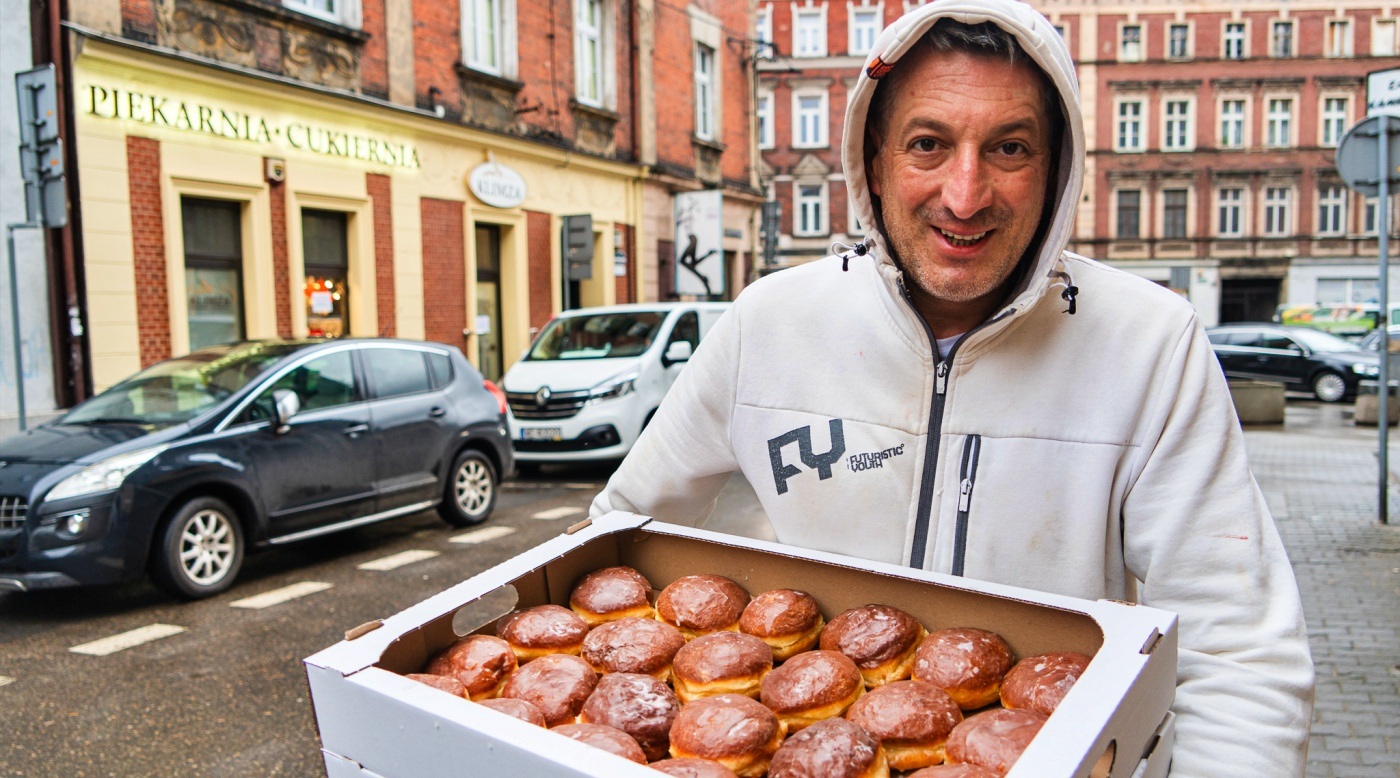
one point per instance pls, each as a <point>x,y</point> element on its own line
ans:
<point>14,318</point>
<point>1383,225</point>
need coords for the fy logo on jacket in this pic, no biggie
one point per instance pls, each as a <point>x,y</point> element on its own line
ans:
<point>802,436</point>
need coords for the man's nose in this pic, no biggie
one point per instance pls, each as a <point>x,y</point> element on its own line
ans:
<point>967,189</point>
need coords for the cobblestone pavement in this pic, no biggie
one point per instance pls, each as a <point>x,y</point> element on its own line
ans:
<point>1319,473</point>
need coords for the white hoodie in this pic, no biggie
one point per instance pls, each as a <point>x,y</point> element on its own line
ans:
<point>1095,453</point>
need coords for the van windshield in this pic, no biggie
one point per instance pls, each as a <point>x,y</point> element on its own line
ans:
<point>599,336</point>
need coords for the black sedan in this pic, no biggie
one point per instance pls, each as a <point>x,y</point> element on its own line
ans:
<point>180,469</point>
<point>1304,359</point>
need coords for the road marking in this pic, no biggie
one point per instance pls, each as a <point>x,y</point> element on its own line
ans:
<point>5,679</point>
<point>591,487</point>
<point>279,596</point>
<point>127,640</point>
<point>483,535</point>
<point>557,513</point>
<point>395,561</point>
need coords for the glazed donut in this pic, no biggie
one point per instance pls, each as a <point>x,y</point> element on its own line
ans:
<point>520,709</point>
<point>734,730</point>
<point>994,739</point>
<point>955,771</point>
<point>639,705</point>
<point>834,748</point>
<point>633,645</point>
<point>609,739</point>
<point>967,663</point>
<point>881,641</point>
<point>1038,683</point>
<point>721,663</point>
<point>541,631</point>
<point>693,768</point>
<point>787,620</point>
<point>440,682</point>
<point>812,686</point>
<point>700,604</point>
<point>480,662</point>
<point>612,593</point>
<point>911,719</point>
<point>558,685</point>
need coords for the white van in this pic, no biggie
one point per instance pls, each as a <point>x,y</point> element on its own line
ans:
<point>594,376</point>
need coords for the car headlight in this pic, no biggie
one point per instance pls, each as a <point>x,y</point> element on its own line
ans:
<point>1361,368</point>
<point>614,388</point>
<point>103,476</point>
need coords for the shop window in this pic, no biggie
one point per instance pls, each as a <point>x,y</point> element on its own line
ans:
<point>213,270</point>
<point>394,372</point>
<point>325,250</point>
<point>488,301</point>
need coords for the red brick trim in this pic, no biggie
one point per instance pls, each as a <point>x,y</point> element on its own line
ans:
<point>283,289</point>
<point>540,237</point>
<point>380,189</point>
<point>148,249</point>
<point>444,272</point>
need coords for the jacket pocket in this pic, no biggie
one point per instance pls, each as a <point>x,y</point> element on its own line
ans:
<point>967,477</point>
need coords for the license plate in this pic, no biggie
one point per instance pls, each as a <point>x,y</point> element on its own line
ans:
<point>541,433</point>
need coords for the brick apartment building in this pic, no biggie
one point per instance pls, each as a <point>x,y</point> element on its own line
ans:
<point>1211,135</point>
<point>262,168</point>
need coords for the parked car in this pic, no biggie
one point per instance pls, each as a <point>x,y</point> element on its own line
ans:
<point>1302,358</point>
<point>184,467</point>
<point>593,378</point>
<point>1372,341</point>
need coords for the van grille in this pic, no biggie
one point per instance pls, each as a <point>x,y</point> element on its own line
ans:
<point>560,405</point>
<point>13,510</point>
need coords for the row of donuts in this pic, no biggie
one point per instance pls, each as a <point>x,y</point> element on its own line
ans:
<point>719,647</point>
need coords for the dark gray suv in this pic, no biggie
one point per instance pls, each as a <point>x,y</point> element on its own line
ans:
<point>182,468</point>
<point>1305,359</point>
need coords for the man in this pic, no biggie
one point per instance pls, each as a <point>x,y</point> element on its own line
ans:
<point>960,394</point>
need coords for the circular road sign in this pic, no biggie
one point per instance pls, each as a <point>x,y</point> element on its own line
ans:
<point>1358,155</point>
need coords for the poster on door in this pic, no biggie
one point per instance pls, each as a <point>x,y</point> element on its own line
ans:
<point>699,244</point>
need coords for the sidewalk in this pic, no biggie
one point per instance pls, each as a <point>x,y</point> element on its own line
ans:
<point>1319,474</point>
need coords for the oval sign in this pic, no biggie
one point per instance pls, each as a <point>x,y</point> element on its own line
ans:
<point>497,185</point>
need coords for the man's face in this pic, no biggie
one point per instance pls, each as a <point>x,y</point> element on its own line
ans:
<point>961,172</point>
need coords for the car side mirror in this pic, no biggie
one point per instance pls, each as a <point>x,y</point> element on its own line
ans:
<point>285,405</point>
<point>677,351</point>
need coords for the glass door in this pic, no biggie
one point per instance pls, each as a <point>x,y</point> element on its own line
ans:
<point>326,251</point>
<point>213,270</point>
<point>488,300</point>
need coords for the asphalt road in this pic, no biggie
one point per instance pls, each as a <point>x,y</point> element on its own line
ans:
<point>227,695</point>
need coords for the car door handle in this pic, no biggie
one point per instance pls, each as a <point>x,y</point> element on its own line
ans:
<point>437,412</point>
<point>355,430</point>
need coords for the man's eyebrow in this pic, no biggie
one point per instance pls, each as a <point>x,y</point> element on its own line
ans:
<point>928,123</point>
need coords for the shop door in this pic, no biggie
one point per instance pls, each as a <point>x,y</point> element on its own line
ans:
<point>1248,299</point>
<point>213,270</point>
<point>326,251</point>
<point>488,300</point>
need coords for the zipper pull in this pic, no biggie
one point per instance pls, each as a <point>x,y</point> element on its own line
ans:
<point>964,495</point>
<point>940,378</point>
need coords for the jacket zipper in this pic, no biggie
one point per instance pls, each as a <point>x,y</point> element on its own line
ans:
<point>972,447</point>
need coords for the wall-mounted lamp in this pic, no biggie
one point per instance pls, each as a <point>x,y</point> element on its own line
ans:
<point>439,110</point>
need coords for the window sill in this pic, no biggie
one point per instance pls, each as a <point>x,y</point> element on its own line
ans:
<point>274,10</point>
<point>814,147</point>
<point>715,146</point>
<point>490,79</point>
<point>597,112</point>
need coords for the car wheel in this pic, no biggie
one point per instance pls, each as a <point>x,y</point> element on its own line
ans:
<point>471,490</point>
<point>200,550</point>
<point>1329,387</point>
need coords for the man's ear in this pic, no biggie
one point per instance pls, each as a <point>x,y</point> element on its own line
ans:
<point>873,148</point>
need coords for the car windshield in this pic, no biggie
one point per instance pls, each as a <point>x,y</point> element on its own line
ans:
<point>177,390</point>
<point>599,336</point>
<point>1322,341</point>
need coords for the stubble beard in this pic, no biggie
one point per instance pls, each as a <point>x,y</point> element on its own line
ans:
<point>910,246</point>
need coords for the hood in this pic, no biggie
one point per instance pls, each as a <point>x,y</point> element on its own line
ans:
<point>60,444</point>
<point>1045,47</point>
<point>564,375</point>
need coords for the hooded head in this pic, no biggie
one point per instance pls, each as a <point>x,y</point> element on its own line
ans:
<point>964,148</point>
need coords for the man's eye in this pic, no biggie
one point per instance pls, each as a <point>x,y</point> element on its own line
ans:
<point>1012,149</point>
<point>925,145</point>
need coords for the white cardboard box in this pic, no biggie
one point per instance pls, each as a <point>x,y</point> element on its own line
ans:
<point>374,722</point>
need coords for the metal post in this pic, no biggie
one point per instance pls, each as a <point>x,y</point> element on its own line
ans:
<point>14,316</point>
<point>1383,205</point>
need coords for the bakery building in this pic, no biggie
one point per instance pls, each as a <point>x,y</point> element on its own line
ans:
<point>219,204</point>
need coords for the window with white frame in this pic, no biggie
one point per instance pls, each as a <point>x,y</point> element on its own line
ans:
<point>1129,214</point>
<point>1280,122</point>
<point>1130,43</point>
<point>1281,43</point>
<point>1382,37</point>
<point>488,36</point>
<point>1276,207</point>
<point>810,210</point>
<point>1129,136</point>
<point>1334,120</point>
<point>864,29</point>
<point>343,12</point>
<point>1234,40</point>
<point>704,92</point>
<point>763,28</point>
<point>1368,216</point>
<point>1179,41</point>
<point>809,32</point>
<point>809,125</point>
<point>1174,213</point>
<point>1331,210</point>
<point>1232,124</point>
<point>766,136</point>
<point>589,58</point>
<point>1338,38</point>
<point>1177,130</point>
<point>1230,212</point>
